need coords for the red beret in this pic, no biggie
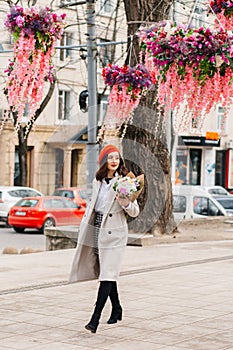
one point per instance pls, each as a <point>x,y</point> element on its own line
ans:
<point>107,150</point>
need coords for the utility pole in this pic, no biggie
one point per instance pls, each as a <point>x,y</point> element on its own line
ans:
<point>92,146</point>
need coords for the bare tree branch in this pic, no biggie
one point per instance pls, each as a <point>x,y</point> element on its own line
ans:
<point>44,103</point>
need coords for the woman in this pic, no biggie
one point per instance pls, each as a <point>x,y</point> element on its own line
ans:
<point>103,236</point>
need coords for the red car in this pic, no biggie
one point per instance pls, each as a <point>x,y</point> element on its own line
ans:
<point>78,195</point>
<point>43,212</point>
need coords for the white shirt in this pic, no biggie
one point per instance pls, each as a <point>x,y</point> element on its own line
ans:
<point>101,201</point>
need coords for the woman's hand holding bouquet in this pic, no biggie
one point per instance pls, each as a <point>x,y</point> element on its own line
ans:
<point>124,202</point>
<point>128,188</point>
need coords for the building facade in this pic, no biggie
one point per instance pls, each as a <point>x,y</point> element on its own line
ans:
<point>57,143</point>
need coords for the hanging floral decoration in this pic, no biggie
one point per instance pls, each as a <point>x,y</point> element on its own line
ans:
<point>35,31</point>
<point>193,68</point>
<point>127,86</point>
<point>224,11</point>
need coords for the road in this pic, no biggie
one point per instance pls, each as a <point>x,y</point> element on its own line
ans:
<point>29,239</point>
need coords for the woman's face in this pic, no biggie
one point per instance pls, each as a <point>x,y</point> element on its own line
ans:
<point>113,162</point>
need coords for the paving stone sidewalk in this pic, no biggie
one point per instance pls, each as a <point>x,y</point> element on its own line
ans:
<point>175,297</point>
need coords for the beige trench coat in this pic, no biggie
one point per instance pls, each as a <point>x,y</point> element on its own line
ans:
<point>112,240</point>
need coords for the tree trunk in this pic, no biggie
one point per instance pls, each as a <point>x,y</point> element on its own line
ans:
<point>144,145</point>
<point>23,169</point>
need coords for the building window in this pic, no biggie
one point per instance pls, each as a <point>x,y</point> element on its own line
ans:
<point>220,168</point>
<point>66,40</point>
<point>106,7</point>
<point>103,109</point>
<point>16,169</point>
<point>5,115</point>
<point>181,166</point>
<point>195,166</point>
<point>105,53</point>
<point>221,125</point>
<point>9,40</point>
<point>25,117</point>
<point>197,19</point>
<point>29,166</point>
<point>194,123</point>
<point>64,105</point>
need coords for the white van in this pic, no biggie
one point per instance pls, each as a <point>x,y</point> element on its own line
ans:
<point>193,202</point>
<point>216,190</point>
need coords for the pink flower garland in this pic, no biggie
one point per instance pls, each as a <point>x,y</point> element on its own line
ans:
<point>128,84</point>
<point>196,100</point>
<point>121,106</point>
<point>26,82</point>
<point>33,51</point>
<point>190,87</point>
<point>224,12</point>
<point>224,22</point>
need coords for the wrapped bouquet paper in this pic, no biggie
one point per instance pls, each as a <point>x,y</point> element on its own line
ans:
<point>129,186</point>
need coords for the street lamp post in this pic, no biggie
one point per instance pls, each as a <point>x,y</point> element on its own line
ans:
<point>92,146</point>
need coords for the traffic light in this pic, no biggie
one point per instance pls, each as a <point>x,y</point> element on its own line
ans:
<point>83,101</point>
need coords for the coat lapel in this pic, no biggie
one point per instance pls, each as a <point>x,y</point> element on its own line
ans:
<point>91,204</point>
<point>96,187</point>
<point>110,199</point>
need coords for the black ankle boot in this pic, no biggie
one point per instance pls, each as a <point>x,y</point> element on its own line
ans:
<point>116,315</point>
<point>93,324</point>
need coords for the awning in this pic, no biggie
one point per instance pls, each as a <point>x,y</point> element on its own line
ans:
<point>66,134</point>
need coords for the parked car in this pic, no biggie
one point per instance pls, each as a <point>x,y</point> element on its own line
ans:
<point>42,212</point>
<point>226,202</point>
<point>194,202</point>
<point>78,195</point>
<point>216,190</point>
<point>9,195</point>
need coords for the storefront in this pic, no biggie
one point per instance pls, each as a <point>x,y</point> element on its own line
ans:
<point>229,169</point>
<point>196,160</point>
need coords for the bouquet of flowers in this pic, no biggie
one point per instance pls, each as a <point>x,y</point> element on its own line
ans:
<point>129,186</point>
<point>35,31</point>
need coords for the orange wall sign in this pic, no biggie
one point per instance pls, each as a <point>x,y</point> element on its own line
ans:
<point>212,135</point>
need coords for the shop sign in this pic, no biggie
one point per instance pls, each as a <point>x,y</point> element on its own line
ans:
<point>199,141</point>
<point>212,135</point>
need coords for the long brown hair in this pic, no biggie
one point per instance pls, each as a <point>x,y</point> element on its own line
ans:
<point>102,172</point>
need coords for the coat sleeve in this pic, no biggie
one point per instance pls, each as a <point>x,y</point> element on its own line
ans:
<point>132,209</point>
